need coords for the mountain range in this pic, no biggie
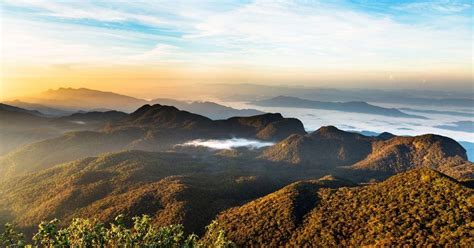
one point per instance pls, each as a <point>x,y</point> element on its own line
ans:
<point>411,97</point>
<point>66,101</point>
<point>386,153</point>
<point>161,128</point>
<point>322,187</point>
<point>21,126</point>
<point>154,128</point>
<point>354,107</point>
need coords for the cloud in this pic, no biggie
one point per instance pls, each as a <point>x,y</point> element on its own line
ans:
<point>290,37</point>
<point>85,10</point>
<point>161,52</point>
<point>29,42</point>
<point>289,34</point>
<point>228,143</point>
<point>443,6</point>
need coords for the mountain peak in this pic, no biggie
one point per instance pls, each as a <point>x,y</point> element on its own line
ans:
<point>328,129</point>
<point>402,153</point>
<point>332,131</point>
<point>385,136</point>
<point>162,116</point>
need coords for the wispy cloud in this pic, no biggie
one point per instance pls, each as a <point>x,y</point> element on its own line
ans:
<point>314,36</point>
<point>84,10</point>
<point>286,33</point>
<point>161,52</point>
<point>442,6</point>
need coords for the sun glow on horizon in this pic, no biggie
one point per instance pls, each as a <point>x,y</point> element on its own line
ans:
<point>138,47</point>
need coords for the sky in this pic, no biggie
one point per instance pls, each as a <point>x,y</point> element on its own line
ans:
<point>146,48</point>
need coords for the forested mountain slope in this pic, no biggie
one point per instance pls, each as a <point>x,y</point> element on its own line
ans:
<point>329,147</point>
<point>418,207</point>
<point>154,128</point>
<point>171,187</point>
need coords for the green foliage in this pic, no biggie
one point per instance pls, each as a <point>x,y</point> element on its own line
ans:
<point>216,237</point>
<point>93,233</point>
<point>50,235</point>
<point>11,238</point>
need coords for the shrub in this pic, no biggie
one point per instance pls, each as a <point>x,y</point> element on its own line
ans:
<point>93,233</point>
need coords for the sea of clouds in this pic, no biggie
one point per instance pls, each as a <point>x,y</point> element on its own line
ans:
<point>375,124</point>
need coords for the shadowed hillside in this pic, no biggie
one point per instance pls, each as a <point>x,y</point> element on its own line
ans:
<point>154,128</point>
<point>20,126</point>
<point>328,146</point>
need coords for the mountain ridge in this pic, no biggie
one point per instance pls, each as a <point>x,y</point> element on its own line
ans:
<point>64,101</point>
<point>155,128</point>
<point>330,147</point>
<point>352,106</point>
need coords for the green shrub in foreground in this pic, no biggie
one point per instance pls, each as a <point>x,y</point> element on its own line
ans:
<point>92,233</point>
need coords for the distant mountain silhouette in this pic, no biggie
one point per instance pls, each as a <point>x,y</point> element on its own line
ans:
<point>46,110</point>
<point>439,112</point>
<point>461,126</point>
<point>251,92</point>
<point>65,101</point>
<point>355,107</point>
<point>84,99</point>
<point>10,113</point>
<point>20,125</point>
<point>209,109</point>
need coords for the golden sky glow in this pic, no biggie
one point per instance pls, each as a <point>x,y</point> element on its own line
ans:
<point>151,50</point>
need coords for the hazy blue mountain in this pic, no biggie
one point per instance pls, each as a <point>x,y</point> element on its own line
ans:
<point>439,112</point>
<point>9,111</point>
<point>46,110</point>
<point>85,99</point>
<point>354,107</point>
<point>251,92</point>
<point>366,133</point>
<point>461,126</point>
<point>20,126</point>
<point>66,101</point>
<point>209,109</point>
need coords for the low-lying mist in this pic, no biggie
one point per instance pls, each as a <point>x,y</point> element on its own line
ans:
<point>228,143</point>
